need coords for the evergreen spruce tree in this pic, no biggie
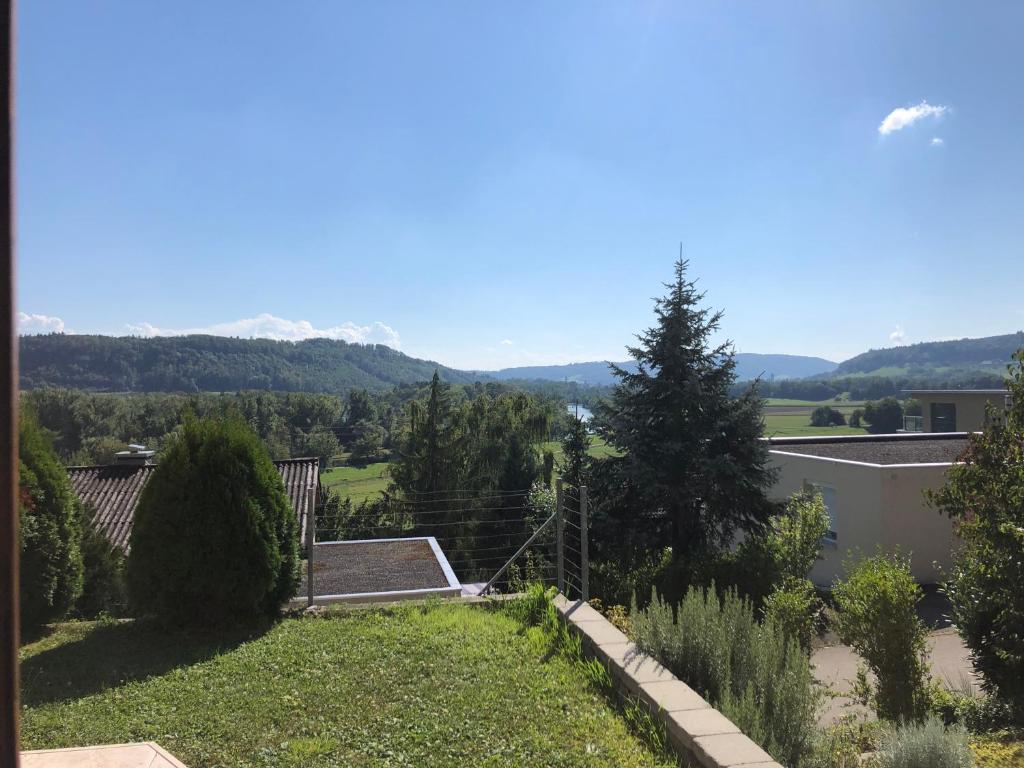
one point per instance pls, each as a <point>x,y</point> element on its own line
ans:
<point>690,471</point>
<point>575,443</point>
<point>428,460</point>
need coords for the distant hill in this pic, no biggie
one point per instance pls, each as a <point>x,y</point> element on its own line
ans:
<point>990,354</point>
<point>749,365</point>
<point>216,364</point>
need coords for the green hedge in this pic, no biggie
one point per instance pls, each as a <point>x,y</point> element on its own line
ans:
<point>50,530</point>
<point>215,539</point>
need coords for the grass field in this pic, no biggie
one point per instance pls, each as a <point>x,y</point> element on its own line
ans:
<point>792,418</point>
<point>793,425</point>
<point>358,483</point>
<point>779,401</point>
<point>598,448</point>
<point>437,686</point>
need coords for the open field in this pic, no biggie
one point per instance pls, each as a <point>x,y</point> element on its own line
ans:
<point>440,685</point>
<point>358,483</point>
<point>792,425</point>
<point>599,449</point>
<point>772,402</point>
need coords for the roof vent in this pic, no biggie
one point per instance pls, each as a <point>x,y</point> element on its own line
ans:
<point>135,455</point>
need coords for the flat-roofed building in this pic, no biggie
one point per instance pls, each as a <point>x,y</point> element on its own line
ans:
<point>873,488</point>
<point>954,410</point>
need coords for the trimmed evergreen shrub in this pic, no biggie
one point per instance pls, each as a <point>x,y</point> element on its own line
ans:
<point>50,529</point>
<point>754,673</point>
<point>103,589</point>
<point>215,539</point>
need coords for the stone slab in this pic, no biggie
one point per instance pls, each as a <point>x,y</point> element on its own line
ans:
<point>599,633</point>
<point>145,754</point>
<point>639,670</point>
<point>671,696</point>
<point>687,726</point>
<point>577,612</point>
<point>728,751</point>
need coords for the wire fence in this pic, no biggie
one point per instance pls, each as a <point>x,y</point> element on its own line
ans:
<point>494,541</point>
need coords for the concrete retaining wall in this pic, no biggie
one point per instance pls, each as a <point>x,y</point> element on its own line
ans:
<point>698,731</point>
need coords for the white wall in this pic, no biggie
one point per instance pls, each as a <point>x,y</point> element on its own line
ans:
<point>874,506</point>
<point>911,524</point>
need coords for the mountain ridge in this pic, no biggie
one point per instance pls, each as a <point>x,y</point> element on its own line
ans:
<point>749,365</point>
<point>203,363</point>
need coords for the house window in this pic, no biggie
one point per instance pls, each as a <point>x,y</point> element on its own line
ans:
<point>828,497</point>
<point>943,417</point>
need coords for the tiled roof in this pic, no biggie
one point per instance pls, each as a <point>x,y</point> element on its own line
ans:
<point>299,475</point>
<point>112,492</point>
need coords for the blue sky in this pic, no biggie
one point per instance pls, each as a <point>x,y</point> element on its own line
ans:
<point>506,184</point>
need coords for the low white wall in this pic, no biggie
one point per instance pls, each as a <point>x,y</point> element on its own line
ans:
<point>874,506</point>
<point>909,523</point>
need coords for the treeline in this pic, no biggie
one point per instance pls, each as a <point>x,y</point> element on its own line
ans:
<point>216,364</point>
<point>873,387</point>
<point>994,352</point>
<point>89,428</point>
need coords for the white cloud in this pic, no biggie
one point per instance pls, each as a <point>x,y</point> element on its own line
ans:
<point>897,337</point>
<point>267,326</point>
<point>506,342</point>
<point>936,141</point>
<point>902,117</point>
<point>32,324</point>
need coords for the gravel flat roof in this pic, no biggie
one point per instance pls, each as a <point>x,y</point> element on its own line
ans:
<point>893,451</point>
<point>375,566</point>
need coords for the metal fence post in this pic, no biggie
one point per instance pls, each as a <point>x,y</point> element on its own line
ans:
<point>584,553</point>
<point>310,540</point>
<point>559,536</point>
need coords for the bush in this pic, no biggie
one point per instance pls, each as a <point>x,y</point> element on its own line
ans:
<point>783,554</point>
<point>103,589</point>
<point>754,673</point>
<point>876,615</point>
<point>214,538</point>
<point>884,416</point>
<point>983,495</point>
<point>794,608</point>
<point>856,417</point>
<point>924,745</point>
<point>826,416</point>
<point>50,530</point>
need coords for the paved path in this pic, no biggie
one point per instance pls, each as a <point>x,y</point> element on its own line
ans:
<point>836,666</point>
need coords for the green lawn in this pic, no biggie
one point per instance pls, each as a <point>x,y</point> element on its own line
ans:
<point>358,483</point>
<point>777,401</point>
<point>437,686</point>
<point>794,424</point>
<point>598,448</point>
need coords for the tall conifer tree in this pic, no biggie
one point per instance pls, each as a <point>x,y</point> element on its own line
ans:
<point>690,470</point>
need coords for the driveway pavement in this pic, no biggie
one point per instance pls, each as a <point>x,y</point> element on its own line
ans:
<point>836,666</point>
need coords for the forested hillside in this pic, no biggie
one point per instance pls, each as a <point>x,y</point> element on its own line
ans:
<point>749,365</point>
<point>217,364</point>
<point>991,353</point>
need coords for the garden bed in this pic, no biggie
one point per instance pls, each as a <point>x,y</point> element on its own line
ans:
<point>443,685</point>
